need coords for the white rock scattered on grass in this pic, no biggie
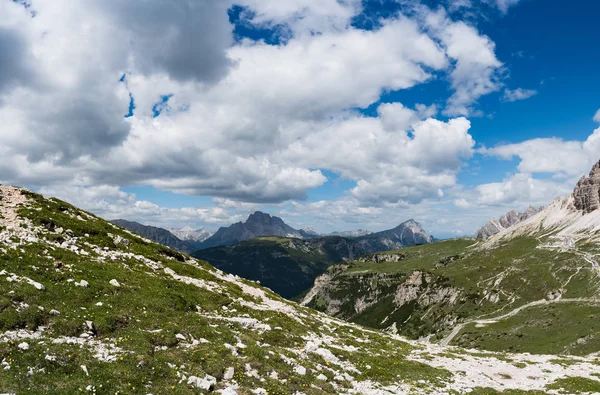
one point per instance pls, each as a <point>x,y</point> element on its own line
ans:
<point>85,370</point>
<point>180,336</point>
<point>322,377</point>
<point>24,346</point>
<point>82,283</point>
<point>205,383</point>
<point>114,283</point>
<point>5,364</point>
<point>54,312</point>
<point>99,304</point>
<point>50,358</point>
<point>228,375</point>
<point>228,391</point>
<point>301,370</point>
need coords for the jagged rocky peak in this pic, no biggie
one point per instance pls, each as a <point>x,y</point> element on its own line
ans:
<point>587,192</point>
<point>506,221</point>
<point>263,218</point>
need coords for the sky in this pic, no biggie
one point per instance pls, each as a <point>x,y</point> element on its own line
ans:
<point>332,114</point>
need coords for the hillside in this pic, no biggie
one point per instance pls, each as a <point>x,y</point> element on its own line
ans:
<point>288,266</point>
<point>89,307</point>
<point>533,287</point>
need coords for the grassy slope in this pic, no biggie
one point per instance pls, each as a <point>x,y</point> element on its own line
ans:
<point>151,301</point>
<point>517,272</point>
<point>154,331</point>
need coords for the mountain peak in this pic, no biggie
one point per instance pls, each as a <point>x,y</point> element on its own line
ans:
<point>587,192</point>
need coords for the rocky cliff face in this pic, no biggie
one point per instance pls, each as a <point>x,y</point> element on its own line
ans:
<point>506,221</point>
<point>587,191</point>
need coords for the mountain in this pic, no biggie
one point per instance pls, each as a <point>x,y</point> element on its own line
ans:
<point>89,307</point>
<point>408,233</point>
<point>159,235</point>
<point>533,287</point>
<point>257,224</point>
<point>569,221</point>
<point>190,234</point>
<point>289,266</point>
<point>506,221</point>
<point>351,233</point>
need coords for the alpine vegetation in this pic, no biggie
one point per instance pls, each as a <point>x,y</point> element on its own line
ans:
<point>90,307</point>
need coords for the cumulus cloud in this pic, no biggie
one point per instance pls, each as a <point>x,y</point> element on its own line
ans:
<point>552,155</point>
<point>521,188</point>
<point>476,70</point>
<point>518,94</point>
<point>597,116</point>
<point>244,121</point>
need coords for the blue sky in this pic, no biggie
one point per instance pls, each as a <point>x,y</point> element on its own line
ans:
<point>333,114</point>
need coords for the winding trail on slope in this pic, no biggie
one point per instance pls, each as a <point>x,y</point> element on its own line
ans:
<point>570,245</point>
<point>445,341</point>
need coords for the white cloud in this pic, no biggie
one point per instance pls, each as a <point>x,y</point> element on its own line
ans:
<point>504,5</point>
<point>519,189</point>
<point>597,116</point>
<point>518,94</point>
<point>461,203</point>
<point>552,155</point>
<point>476,70</point>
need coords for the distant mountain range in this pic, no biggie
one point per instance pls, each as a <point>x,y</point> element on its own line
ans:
<point>287,260</point>
<point>160,235</point>
<point>509,219</point>
<point>189,233</point>
<point>289,266</point>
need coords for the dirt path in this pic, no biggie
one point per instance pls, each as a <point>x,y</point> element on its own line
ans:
<point>445,341</point>
<point>10,199</point>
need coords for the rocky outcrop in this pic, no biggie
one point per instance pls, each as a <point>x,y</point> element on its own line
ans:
<point>420,287</point>
<point>587,192</point>
<point>379,258</point>
<point>506,221</point>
